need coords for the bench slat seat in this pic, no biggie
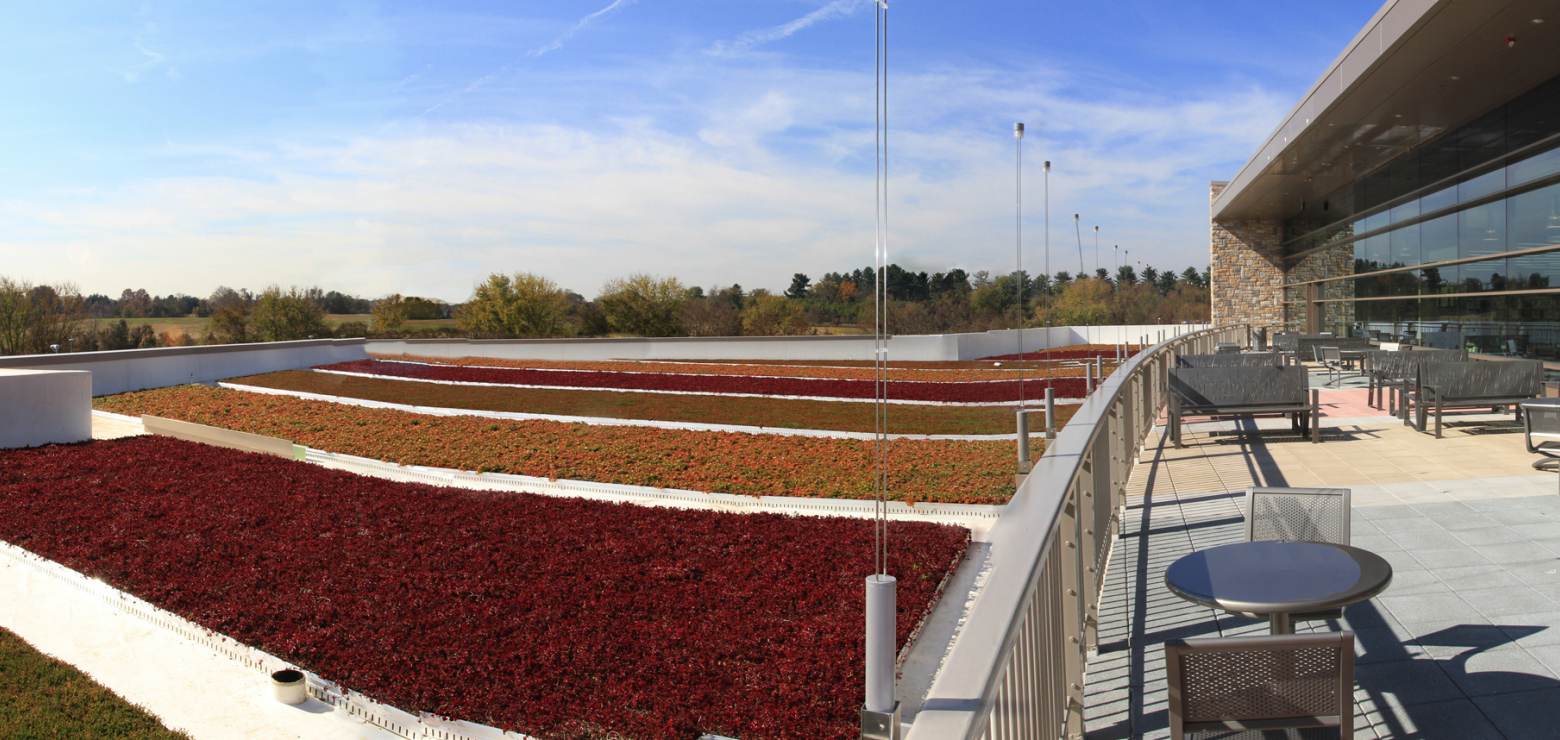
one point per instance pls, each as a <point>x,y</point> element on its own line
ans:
<point>1465,385</point>
<point>1240,391</point>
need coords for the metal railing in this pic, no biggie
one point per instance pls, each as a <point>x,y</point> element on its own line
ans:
<point>1016,669</point>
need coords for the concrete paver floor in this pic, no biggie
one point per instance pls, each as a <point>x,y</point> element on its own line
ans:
<point>1465,643</point>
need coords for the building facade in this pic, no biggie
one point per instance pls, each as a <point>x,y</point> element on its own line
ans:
<point>1414,194</point>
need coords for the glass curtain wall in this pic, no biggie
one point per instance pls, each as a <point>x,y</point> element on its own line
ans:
<point>1455,244</point>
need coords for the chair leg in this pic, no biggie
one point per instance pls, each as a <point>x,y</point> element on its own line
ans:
<point>1437,415</point>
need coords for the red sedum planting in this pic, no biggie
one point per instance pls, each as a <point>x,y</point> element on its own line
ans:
<point>966,392</point>
<point>553,617</point>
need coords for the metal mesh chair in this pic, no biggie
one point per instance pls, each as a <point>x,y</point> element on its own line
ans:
<point>1332,359</point>
<point>1219,687</point>
<point>1298,515</point>
<point>1541,427</point>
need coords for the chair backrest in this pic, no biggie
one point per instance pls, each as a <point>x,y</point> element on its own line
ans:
<point>1298,514</point>
<point>1307,342</point>
<point>1331,354</point>
<point>1286,342</point>
<point>1390,346</point>
<point>1270,681</point>
<point>1249,359</point>
<point>1239,386</point>
<point>1503,379</point>
<point>1399,365</point>
<point>1541,420</point>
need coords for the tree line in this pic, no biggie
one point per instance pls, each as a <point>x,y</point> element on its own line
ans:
<point>36,319</point>
<point>528,305</point>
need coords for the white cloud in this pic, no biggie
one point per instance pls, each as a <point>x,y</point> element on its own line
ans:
<point>776,179</point>
<point>750,39</point>
<point>564,37</point>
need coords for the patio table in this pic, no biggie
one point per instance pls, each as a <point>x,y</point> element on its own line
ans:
<point>1278,578</point>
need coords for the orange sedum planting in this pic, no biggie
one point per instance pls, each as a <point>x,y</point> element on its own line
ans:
<point>725,462</point>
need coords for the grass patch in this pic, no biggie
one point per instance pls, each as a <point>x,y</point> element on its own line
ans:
<point>842,416</point>
<point>46,699</point>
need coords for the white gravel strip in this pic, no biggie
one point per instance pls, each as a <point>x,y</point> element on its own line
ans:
<point>603,421</point>
<point>1028,402</point>
<point>695,375</point>
<point>977,517</point>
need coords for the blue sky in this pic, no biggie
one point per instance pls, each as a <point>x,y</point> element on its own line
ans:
<point>416,147</point>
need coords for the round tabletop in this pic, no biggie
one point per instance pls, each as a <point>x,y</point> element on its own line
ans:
<point>1278,577</point>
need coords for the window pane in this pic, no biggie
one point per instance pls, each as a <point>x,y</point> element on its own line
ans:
<point>1406,211</point>
<point>1482,230</point>
<point>1535,218</point>
<point>1440,280</point>
<point>1438,239</point>
<point>1483,277</point>
<point>1535,271</point>
<point>1439,199</point>
<point>1534,167</point>
<point>1405,246</point>
<point>1484,184</point>
<point>1378,221</point>
<point>1375,252</point>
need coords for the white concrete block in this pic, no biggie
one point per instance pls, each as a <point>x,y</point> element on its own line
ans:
<point>38,407</point>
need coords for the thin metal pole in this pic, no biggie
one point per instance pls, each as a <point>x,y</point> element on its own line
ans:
<point>1018,274</point>
<point>1096,247</point>
<point>1080,244</point>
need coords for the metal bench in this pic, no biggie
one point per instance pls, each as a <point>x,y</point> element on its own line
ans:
<point>1250,359</point>
<point>1468,385</point>
<point>1242,391</point>
<point>1387,371</point>
<point>1227,348</point>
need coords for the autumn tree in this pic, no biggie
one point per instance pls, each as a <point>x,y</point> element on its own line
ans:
<point>390,312</point>
<point>771,316</point>
<point>644,305</point>
<point>522,305</point>
<point>281,316</point>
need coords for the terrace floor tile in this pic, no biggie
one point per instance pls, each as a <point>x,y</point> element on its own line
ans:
<point>1465,643</point>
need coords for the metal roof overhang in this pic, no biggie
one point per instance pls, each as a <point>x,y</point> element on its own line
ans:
<point>1417,69</point>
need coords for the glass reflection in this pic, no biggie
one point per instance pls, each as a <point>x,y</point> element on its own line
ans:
<point>1482,231</point>
<point>1483,277</point>
<point>1534,167</point>
<point>1484,184</point>
<point>1535,218</point>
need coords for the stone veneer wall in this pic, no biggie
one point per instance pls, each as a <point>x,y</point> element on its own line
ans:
<point>1246,271</point>
<point>1336,261</point>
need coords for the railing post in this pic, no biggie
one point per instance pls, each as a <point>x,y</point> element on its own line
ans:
<point>1073,606</point>
<point>1050,413</point>
<point>1024,464</point>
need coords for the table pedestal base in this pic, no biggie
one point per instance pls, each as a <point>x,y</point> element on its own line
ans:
<point>1280,624</point>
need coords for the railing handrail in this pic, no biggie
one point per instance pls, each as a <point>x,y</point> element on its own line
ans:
<point>959,702</point>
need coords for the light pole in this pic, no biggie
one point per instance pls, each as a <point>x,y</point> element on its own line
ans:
<point>1080,244</point>
<point>1096,247</point>
<point>1018,274</point>
<point>1117,249</point>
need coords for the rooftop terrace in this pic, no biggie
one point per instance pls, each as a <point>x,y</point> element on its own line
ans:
<point>1465,643</point>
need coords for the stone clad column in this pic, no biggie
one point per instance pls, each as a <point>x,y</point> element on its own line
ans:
<point>1246,271</point>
